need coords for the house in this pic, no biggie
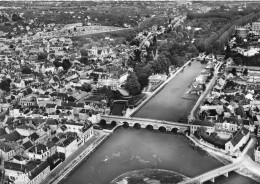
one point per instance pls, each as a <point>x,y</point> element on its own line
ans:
<point>6,152</point>
<point>90,114</point>
<point>75,105</point>
<point>155,79</point>
<point>50,108</point>
<point>34,137</point>
<point>51,145</point>
<point>31,172</point>
<point>65,112</point>
<point>27,145</point>
<point>67,146</point>
<point>48,67</point>
<point>25,130</point>
<point>241,137</point>
<point>220,84</point>
<point>12,137</point>
<point>15,171</point>
<point>19,83</point>
<point>84,131</point>
<point>210,128</point>
<point>53,124</point>
<point>229,125</point>
<point>43,100</point>
<point>62,96</point>
<point>38,152</point>
<point>62,129</point>
<point>39,173</point>
<point>248,124</point>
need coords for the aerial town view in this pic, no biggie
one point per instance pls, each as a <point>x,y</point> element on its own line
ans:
<point>129,92</point>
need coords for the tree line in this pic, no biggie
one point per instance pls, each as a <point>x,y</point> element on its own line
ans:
<point>226,15</point>
<point>218,39</point>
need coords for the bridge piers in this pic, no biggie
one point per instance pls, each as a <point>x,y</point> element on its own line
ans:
<point>143,126</point>
<point>168,129</point>
<point>226,174</point>
<point>213,180</point>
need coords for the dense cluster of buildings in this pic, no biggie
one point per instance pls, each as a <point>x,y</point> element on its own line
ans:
<point>231,110</point>
<point>46,115</point>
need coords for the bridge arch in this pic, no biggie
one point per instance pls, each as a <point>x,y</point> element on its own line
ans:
<point>103,122</point>
<point>137,125</point>
<point>162,129</point>
<point>113,123</point>
<point>175,130</point>
<point>125,124</point>
<point>149,127</point>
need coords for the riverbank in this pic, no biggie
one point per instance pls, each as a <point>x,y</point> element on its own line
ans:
<point>72,162</point>
<point>202,97</point>
<point>250,169</point>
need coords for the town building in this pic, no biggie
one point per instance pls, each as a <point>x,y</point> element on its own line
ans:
<point>67,146</point>
<point>233,146</point>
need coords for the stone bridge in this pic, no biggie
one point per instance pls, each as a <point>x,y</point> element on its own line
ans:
<point>147,123</point>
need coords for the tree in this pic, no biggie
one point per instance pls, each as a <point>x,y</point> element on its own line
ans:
<point>16,17</point>
<point>132,84</point>
<point>66,64</point>
<point>201,47</point>
<point>228,52</point>
<point>5,85</point>
<point>182,53</point>
<point>42,56</point>
<point>238,60</point>
<point>26,70</point>
<point>245,72</point>
<point>71,99</point>
<point>86,87</point>
<point>94,76</point>
<point>234,71</point>
<point>164,62</point>
<point>143,74</point>
<point>72,57</point>
<point>203,87</point>
<point>84,60</point>
<point>57,64</point>
<point>201,131</point>
<point>84,52</point>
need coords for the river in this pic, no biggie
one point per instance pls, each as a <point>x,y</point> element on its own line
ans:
<point>131,149</point>
<point>168,104</point>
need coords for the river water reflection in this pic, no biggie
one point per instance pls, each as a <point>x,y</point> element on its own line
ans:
<point>131,149</point>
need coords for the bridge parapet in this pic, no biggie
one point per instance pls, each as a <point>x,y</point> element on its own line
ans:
<point>156,124</point>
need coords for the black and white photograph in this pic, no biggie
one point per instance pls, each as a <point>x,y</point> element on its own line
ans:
<point>129,92</point>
